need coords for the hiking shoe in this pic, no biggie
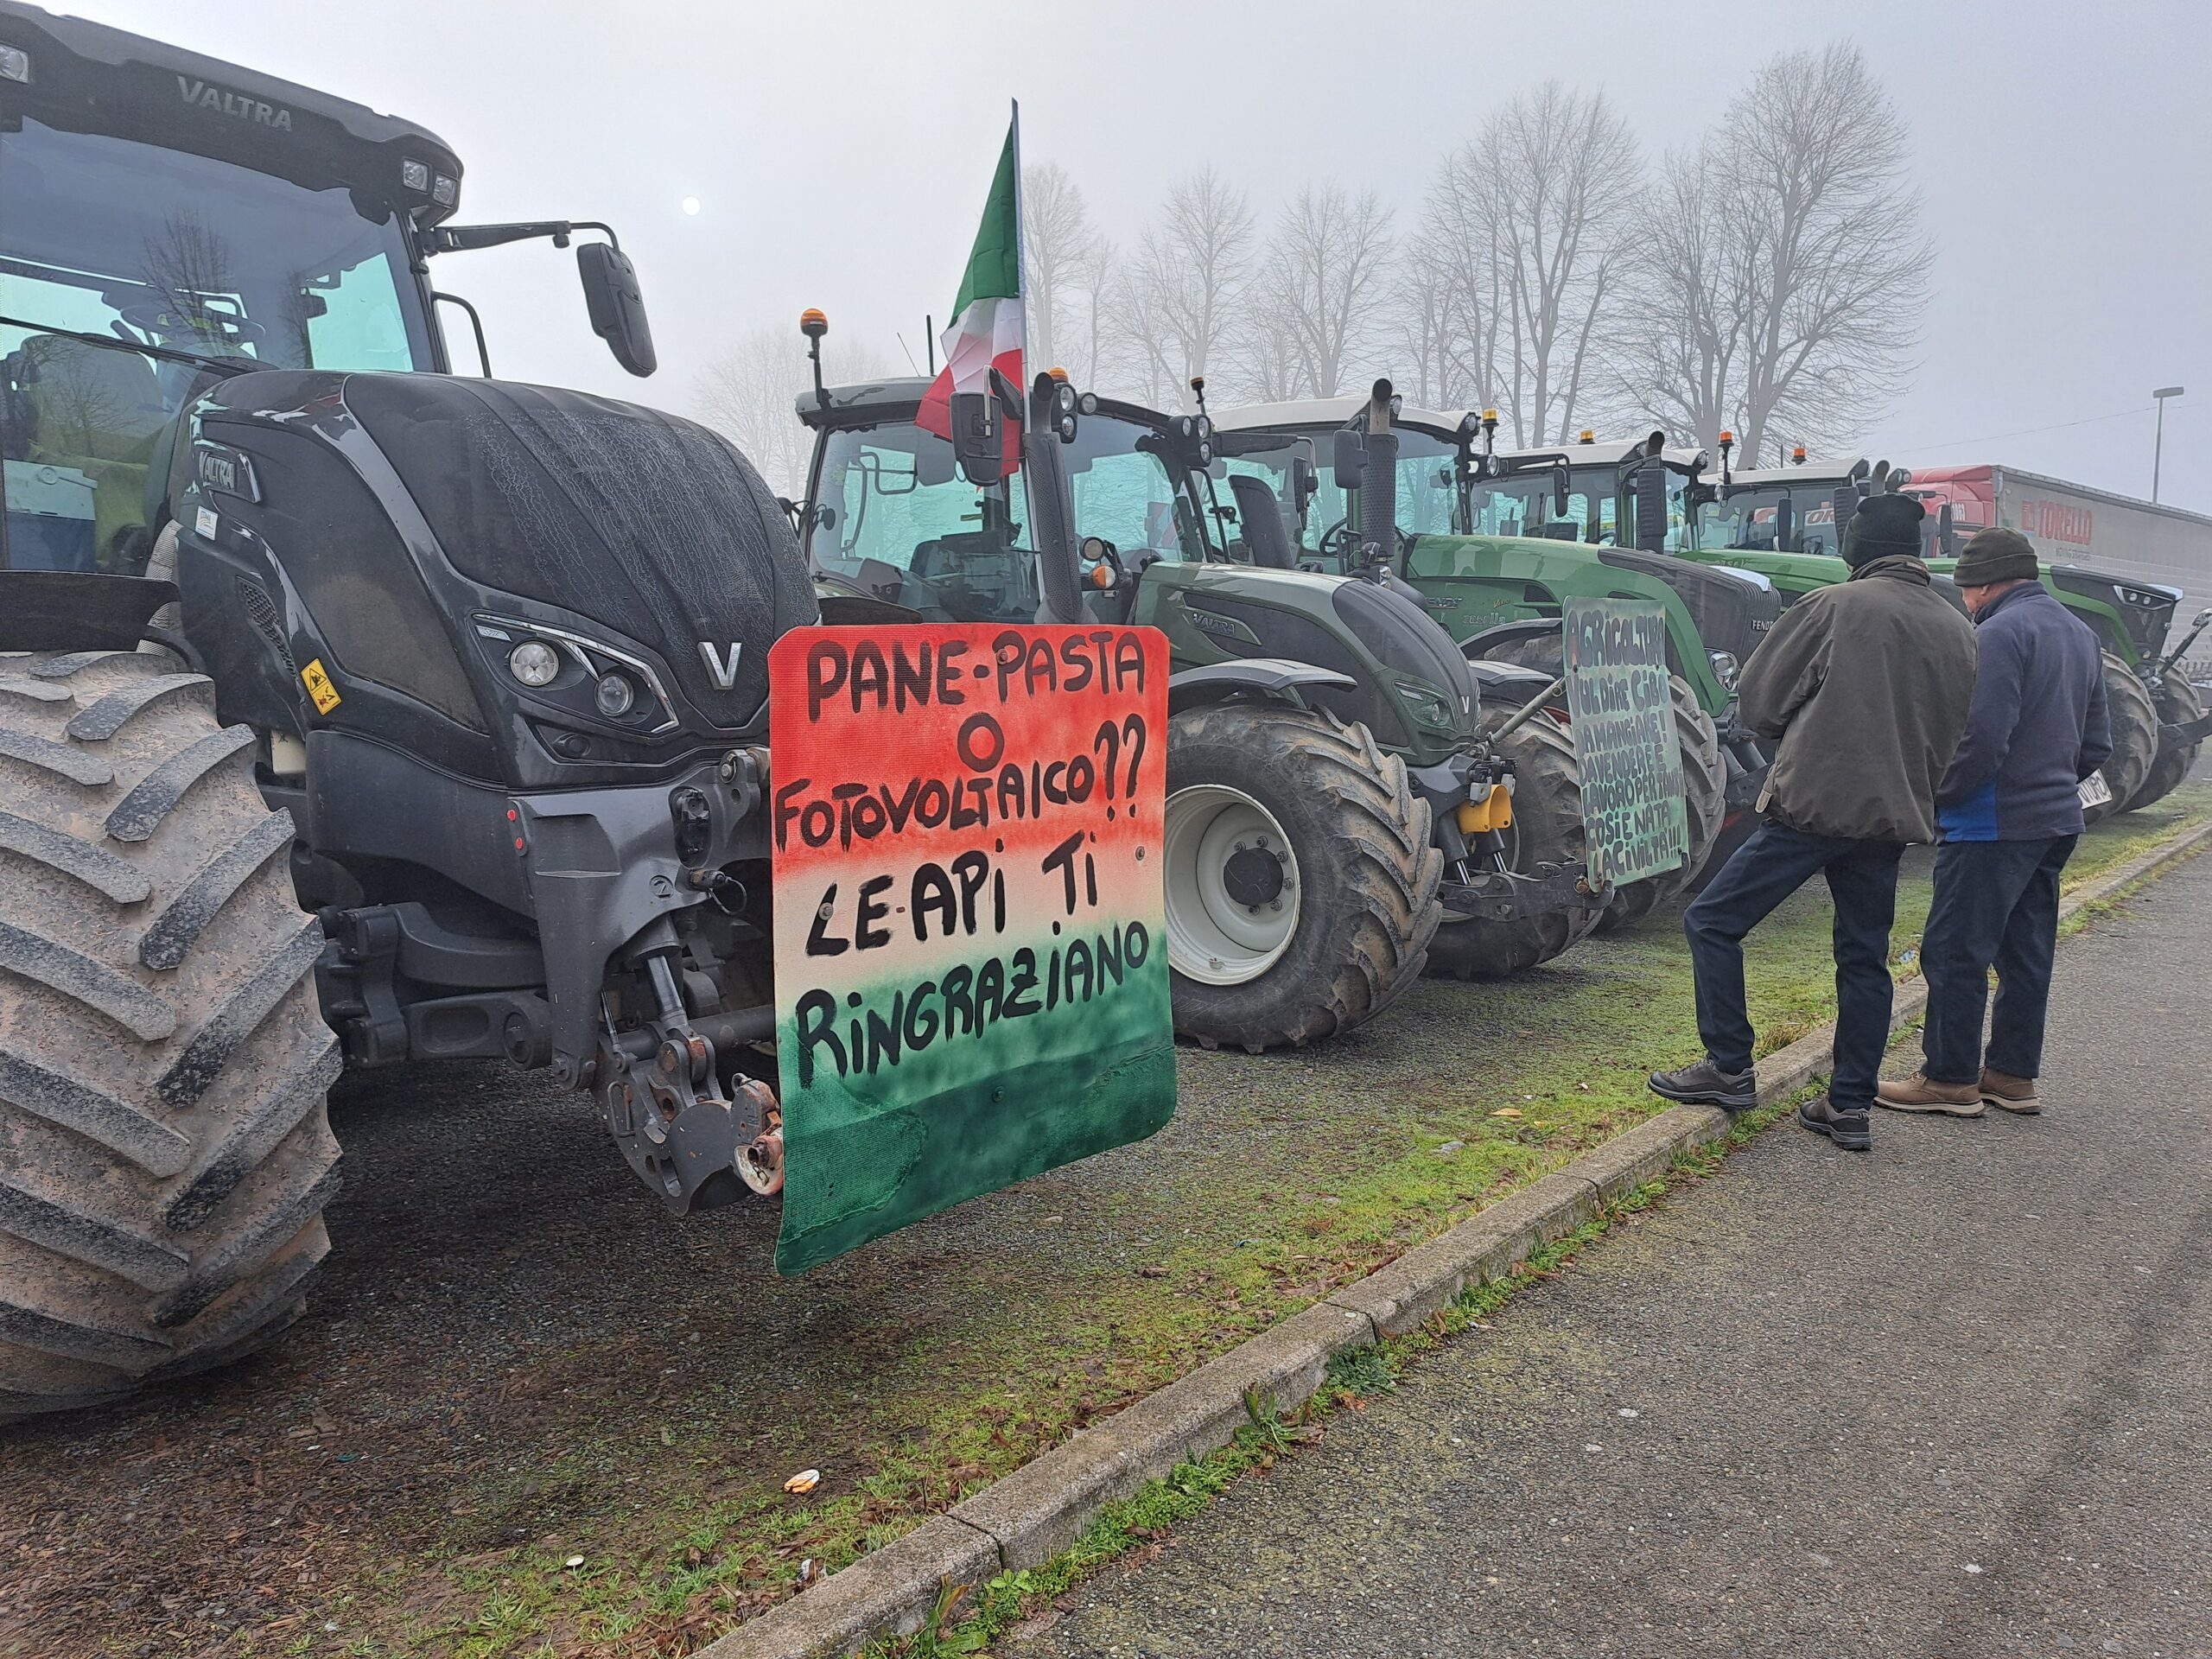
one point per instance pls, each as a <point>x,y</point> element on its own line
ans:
<point>1848,1129</point>
<point>2013,1094</point>
<point>1921,1093</point>
<point>1707,1084</point>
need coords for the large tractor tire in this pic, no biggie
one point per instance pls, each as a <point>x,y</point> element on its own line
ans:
<point>1705,783</point>
<point>1547,829</point>
<point>164,1153</point>
<point>2134,739</point>
<point>2177,703</point>
<point>1300,876</point>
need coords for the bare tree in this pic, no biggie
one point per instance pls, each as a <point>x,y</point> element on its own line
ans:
<point>1835,265</point>
<point>1056,238</point>
<point>1532,222</point>
<point>1324,287</point>
<point>1683,364</point>
<point>1175,305</point>
<point>1101,261</point>
<point>749,393</point>
<point>1450,284</point>
<point>1786,267</point>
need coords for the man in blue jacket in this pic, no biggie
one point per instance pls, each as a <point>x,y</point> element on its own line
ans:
<point>2010,807</point>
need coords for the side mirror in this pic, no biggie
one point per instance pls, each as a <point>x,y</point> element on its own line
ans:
<point>1261,515</point>
<point>617,305</point>
<point>978,437</point>
<point>1785,524</point>
<point>1560,505</point>
<point>1947,534</point>
<point>1650,490</point>
<point>1348,458</point>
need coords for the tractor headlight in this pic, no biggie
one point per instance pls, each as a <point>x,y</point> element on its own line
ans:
<point>415,176</point>
<point>1725,667</point>
<point>534,663</point>
<point>1427,704</point>
<point>15,65</point>
<point>615,695</point>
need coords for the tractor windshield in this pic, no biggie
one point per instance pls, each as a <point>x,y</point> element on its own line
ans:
<point>1427,489</point>
<point>1747,519</point>
<point>894,518</point>
<point>109,245</point>
<point>1525,504</point>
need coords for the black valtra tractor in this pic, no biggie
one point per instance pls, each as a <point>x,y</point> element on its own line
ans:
<point>1334,819</point>
<point>474,671</point>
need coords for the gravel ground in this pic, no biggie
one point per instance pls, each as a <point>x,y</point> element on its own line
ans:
<point>1949,1399</point>
<point>514,1358</point>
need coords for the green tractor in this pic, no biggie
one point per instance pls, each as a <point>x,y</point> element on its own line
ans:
<point>1786,522</point>
<point>1336,821</point>
<point>1493,545</point>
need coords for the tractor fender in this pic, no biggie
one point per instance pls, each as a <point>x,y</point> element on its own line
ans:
<point>1279,679</point>
<point>1514,681</point>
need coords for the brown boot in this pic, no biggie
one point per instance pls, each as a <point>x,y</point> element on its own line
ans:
<point>2013,1094</point>
<point>1918,1093</point>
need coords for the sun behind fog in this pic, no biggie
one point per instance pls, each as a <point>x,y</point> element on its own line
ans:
<point>691,204</point>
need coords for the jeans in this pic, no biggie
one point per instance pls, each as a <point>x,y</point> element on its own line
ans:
<point>1774,863</point>
<point>1996,905</point>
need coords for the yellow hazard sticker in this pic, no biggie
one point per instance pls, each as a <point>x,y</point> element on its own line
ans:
<point>320,689</point>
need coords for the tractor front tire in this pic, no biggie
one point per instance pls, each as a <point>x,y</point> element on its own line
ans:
<point>2134,739</point>
<point>2178,702</point>
<point>1300,876</point>
<point>1547,829</point>
<point>164,1153</point>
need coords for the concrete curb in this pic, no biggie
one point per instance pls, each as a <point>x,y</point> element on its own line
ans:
<point>1043,1507</point>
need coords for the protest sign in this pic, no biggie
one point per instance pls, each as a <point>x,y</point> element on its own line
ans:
<point>971,960</point>
<point>1620,700</point>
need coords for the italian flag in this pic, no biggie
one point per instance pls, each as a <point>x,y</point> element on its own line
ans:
<point>987,317</point>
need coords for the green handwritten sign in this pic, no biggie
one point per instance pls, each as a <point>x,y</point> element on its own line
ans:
<point>1621,702</point>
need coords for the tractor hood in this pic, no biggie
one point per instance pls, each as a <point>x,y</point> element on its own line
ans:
<point>414,520</point>
<point>1733,609</point>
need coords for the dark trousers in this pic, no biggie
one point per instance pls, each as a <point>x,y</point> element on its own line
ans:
<point>1996,906</point>
<point>1774,863</point>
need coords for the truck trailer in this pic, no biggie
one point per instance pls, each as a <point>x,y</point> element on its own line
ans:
<point>2072,524</point>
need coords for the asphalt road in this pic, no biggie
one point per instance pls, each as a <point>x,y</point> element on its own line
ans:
<point>1948,1400</point>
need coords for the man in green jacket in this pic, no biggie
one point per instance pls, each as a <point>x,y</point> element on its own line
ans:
<point>1866,686</point>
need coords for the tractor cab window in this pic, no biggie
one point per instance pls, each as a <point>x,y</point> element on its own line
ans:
<point>1425,481</point>
<point>1748,520</point>
<point>894,518</point>
<point>1525,504</point>
<point>108,245</point>
<point>1129,491</point>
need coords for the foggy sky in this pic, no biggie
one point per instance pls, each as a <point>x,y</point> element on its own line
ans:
<point>841,152</point>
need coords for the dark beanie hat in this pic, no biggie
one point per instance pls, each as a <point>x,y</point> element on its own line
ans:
<point>1883,526</point>
<point>1995,556</point>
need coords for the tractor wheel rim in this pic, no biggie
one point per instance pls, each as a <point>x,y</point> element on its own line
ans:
<point>1212,938</point>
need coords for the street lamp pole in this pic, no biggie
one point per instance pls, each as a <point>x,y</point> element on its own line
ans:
<point>2159,443</point>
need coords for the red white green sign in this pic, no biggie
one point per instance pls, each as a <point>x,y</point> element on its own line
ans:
<point>986,315</point>
<point>971,962</point>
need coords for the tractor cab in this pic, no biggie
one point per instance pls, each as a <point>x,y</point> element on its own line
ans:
<point>1802,508</point>
<point>1641,494</point>
<point>168,222</point>
<point>894,518</point>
